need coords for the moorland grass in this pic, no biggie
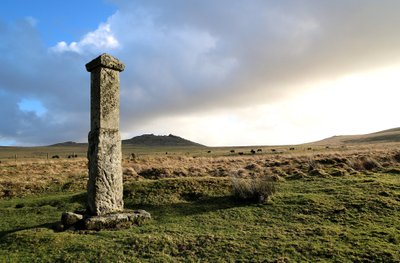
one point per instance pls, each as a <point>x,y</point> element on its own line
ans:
<point>337,219</point>
<point>330,205</point>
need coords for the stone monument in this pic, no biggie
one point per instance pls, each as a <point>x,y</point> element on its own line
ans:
<point>104,153</point>
<point>105,207</point>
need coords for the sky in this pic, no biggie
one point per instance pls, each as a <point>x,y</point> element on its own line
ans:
<point>220,73</point>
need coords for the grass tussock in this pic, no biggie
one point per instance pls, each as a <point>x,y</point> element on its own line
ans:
<point>255,190</point>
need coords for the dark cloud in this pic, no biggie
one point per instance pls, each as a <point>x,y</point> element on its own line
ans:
<point>257,52</point>
<point>29,71</point>
<point>191,56</point>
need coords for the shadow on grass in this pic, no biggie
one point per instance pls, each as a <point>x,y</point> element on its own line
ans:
<point>45,225</point>
<point>38,207</point>
<point>194,205</point>
<point>202,205</point>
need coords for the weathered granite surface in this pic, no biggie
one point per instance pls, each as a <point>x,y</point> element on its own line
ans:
<point>117,221</point>
<point>105,187</point>
<point>75,221</point>
<point>105,61</point>
<point>69,218</point>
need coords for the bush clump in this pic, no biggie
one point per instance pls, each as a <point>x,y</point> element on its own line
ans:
<point>254,189</point>
<point>155,173</point>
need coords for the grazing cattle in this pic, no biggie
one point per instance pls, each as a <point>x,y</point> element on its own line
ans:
<point>55,157</point>
<point>240,153</point>
<point>259,150</point>
<point>273,150</point>
<point>252,151</point>
<point>291,149</point>
<point>208,151</point>
<point>309,148</point>
<point>327,147</point>
<point>232,151</point>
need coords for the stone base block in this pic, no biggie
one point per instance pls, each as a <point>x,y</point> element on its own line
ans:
<point>116,221</point>
<point>75,221</point>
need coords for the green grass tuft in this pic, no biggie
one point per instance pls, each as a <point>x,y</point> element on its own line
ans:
<point>254,189</point>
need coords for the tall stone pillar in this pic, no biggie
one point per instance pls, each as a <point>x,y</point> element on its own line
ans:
<point>105,186</point>
<point>105,207</point>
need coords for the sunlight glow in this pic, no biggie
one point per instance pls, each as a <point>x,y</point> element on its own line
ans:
<point>353,104</point>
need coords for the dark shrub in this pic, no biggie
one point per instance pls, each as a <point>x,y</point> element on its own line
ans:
<point>370,164</point>
<point>154,173</point>
<point>396,157</point>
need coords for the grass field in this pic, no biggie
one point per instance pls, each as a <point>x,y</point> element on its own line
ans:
<point>330,205</point>
<point>10,154</point>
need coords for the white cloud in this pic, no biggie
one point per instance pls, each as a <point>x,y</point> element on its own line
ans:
<point>100,39</point>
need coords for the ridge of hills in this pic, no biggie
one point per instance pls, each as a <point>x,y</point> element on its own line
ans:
<point>160,140</point>
<point>149,140</point>
<point>68,143</point>
<point>385,136</point>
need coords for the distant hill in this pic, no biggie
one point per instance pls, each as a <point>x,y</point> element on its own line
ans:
<point>386,136</point>
<point>66,144</point>
<point>159,140</point>
<point>144,140</point>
